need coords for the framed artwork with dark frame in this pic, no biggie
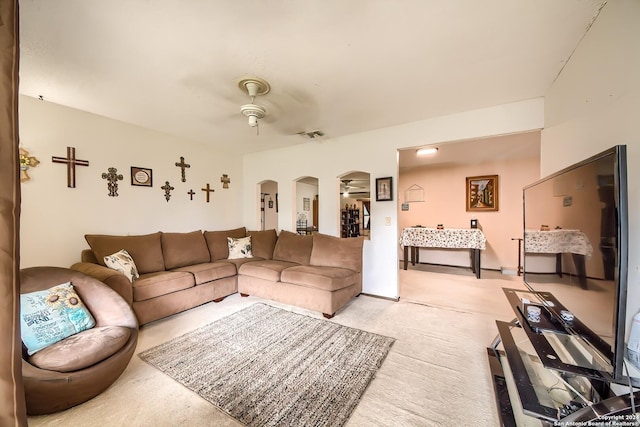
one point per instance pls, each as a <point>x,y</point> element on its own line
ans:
<point>482,193</point>
<point>141,177</point>
<point>384,189</point>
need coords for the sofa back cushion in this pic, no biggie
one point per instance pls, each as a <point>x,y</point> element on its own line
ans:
<point>182,249</point>
<point>218,244</point>
<point>293,247</point>
<point>146,250</point>
<point>330,251</point>
<point>263,243</point>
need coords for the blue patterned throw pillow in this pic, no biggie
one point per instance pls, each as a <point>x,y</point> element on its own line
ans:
<point>52,315</point>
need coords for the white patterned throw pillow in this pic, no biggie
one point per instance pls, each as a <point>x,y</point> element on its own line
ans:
<point>239,248</point>
<point>121,261</point>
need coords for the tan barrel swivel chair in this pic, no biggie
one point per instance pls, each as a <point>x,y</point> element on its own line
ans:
<point>49,391</point>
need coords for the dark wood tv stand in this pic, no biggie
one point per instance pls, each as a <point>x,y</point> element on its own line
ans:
<point>542,375</point>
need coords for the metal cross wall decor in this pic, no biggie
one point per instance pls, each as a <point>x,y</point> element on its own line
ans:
<point>112,181</point>
<point>71,162</point>
<point>208,190</point>
<point>167,190</point>
<point>225,180</point>
<point>182,165</point>
<point>191,193</point>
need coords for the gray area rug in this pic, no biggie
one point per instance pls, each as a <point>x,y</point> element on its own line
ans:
<point>270,367</point>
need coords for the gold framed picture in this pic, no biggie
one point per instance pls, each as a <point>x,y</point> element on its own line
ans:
<point>482,193</point>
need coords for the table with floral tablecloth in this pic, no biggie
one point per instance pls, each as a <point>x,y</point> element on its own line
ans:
<point>447,238</point>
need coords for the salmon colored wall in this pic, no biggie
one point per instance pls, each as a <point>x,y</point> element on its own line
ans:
<point>444,193</point>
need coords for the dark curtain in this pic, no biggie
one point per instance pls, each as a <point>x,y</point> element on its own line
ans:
<point>12,405</point>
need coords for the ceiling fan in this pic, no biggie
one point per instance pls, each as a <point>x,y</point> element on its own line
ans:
<point>254,86</point>
<point>354,188</point>
<point>289,124</point>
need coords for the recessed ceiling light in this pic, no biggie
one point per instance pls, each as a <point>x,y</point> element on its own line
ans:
<point>427,151</point>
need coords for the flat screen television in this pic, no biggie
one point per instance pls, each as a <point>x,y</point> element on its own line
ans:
<point>575,248</point>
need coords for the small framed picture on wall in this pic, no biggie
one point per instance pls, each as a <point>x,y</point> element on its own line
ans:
<point>141,177</point>
<point>384,189</point>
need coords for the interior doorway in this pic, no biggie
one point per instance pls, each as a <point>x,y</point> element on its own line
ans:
<point>306,196</point>
<point>433,190</point>
<point>355,204</point>
<point>269,205</point>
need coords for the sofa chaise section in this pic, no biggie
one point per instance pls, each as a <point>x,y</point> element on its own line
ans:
<point>317,272</point>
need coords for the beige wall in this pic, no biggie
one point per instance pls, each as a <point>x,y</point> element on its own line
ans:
<point>445,192</point>
<point>376,153</point>
<point>594,105</point>
<point>55,218</point>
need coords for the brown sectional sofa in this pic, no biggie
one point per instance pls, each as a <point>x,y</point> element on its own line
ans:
<point>179,271</point>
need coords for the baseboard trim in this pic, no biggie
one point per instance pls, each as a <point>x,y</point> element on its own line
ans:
<point>449,265</point>
<point>396,299</point>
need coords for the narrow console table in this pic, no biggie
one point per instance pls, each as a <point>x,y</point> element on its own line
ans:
<point>447,238</point>
<point>558,242</point>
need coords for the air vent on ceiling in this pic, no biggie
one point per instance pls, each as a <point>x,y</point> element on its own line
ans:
<point>313,134</point>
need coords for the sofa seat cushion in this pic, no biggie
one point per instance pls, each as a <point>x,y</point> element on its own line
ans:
<point>324,278</point>
<point>239,261</point>
<point>210,271</point>
<point>161,283</point>
<point>267,269</point>
<point>82,350</point>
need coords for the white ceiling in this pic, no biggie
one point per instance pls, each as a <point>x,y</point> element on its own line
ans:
<point>338,66</point>
<point>474,152</point>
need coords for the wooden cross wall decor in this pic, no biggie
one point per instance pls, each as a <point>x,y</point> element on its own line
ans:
<point>208,190</point>
<point>225,180</point>
<point>112,181</point>
<point>71,162</point>
<point>167,190</point>
<point>182,165</point>
<point>191,193</point>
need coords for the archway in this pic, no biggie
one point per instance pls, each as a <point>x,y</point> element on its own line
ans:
<point>355,204</point>
<point>306,205</point>
<point>268,205</point>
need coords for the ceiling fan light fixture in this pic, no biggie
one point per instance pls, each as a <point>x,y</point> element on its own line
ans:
<point>253,112</point>
<point>427,151</point>
<point>253,86</point>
